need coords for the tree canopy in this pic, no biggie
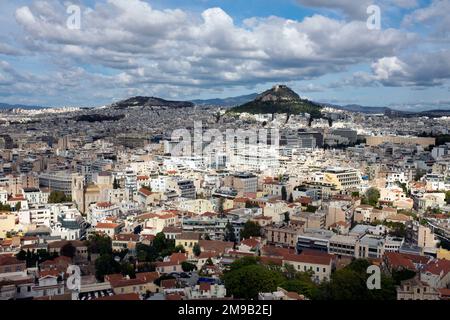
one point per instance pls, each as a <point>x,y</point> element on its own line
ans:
<point>58,197</point>
<point>251,229</point>
<point>371,197</point>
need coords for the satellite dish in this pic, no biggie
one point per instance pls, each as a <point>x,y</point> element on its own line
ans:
<point>117,258</point>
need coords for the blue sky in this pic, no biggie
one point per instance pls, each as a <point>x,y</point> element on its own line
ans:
<point>195,49</point>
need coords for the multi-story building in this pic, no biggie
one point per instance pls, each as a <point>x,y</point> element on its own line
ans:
<point>58,181</point>
<point>186,189</point>
<point>344,246</point>
<point>36,196</point>
<point>314,239</point>
<point>283,235</point>
<point>342,178</point>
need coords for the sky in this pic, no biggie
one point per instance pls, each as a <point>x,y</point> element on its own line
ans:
<point>330,51</point>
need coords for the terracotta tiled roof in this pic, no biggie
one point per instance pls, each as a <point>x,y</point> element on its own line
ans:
<point>8,260</point>
<point>250,242</point>
<point>178,257</point>
<point>148,276</point>
<point>126,237</point>
<point>168,283</point>
<point>216,246</point>
<point>104,204</point>
<point>438,266</point>
<point>312,259</point>
<point>145,192</point>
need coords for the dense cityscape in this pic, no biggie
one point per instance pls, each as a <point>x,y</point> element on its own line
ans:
<point>267,196</point>
<point>141,222</point>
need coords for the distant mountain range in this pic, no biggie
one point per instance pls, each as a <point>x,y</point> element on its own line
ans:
<point>6,106</point>
<point>358,108</point>
<point>279,99</point>
<point>226,102</point>
<point>254,102</point>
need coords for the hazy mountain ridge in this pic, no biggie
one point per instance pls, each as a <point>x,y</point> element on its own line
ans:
<point>226,102</point>
<point>150,102</point>
<point>6,106</point>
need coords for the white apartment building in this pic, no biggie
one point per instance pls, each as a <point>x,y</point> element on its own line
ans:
<point>394,177</point>
<point>3,196</point>
<point>160,184</point>
<point>100,211</point>
<point>36,196</point>
<point>131,182</point>
<point>39,215</point>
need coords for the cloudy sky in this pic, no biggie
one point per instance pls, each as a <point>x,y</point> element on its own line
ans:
<point>179,49</point>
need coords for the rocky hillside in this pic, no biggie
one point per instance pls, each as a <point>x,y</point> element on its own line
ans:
<point>279,99</point>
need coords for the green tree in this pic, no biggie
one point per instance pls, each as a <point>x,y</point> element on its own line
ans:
<point>246,282</point>
<point>127,269</point>
<point>301,283</point>
<point>160,242</point>
<point>245,261</point>
<point>287,218</point>
<point>5,207</point>
<point>447,197</point>
<point>220,206</point>
<point>163,246</point>
<point>229,233</point>
<point>291,198</point>
<point>311,208</point>
<point>18,206</point>
<point>372,196</point>
<point>57,197</point>
<point>188,267</point>
<point>419,174</point>
<point>21,255</point>
<point>350,283</point>
<point>251,229</point>
<point>99,244</point>
<point>283,193</point>
<point>403,274</point>
<point>105,265</point>
<point>180,248</point>
<point>146,253</point>
<point>68,250</point>
<point>196,250</point>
